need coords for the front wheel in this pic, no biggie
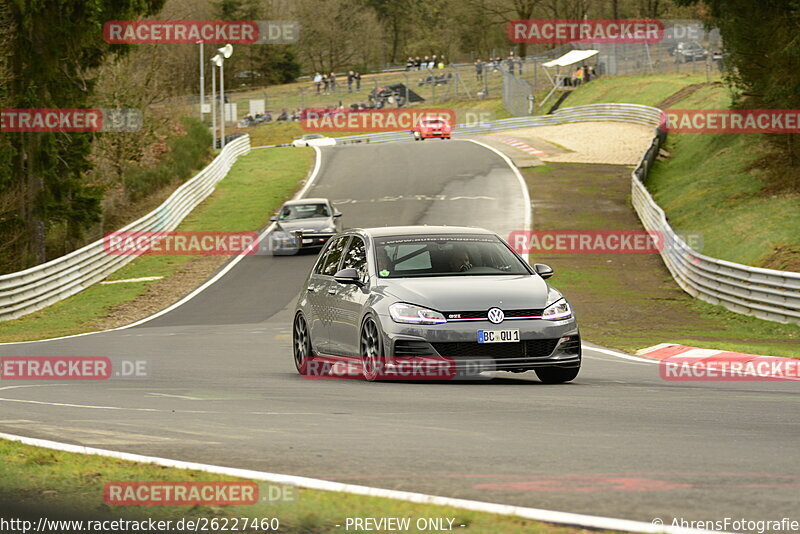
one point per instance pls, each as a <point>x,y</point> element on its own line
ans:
<point>371,350</point>
<point>557,375</point>
<point>301,345</point>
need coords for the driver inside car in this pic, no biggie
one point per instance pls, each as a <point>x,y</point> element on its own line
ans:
<point>459,261</point>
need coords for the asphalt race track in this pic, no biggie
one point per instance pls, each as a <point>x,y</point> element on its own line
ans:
<point>222,389</point>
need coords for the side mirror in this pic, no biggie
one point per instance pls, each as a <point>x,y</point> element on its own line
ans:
<point>337,214</point>
<point>545,271</point>
<point>348,276</point>
<point>274,218</point>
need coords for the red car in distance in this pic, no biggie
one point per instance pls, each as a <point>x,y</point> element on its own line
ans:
<point>431,127</point>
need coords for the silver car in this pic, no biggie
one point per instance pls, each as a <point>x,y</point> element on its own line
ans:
<point>304,224</point>
<point>422,302</point>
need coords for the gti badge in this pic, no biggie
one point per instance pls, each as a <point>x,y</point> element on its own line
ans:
<point>496,315</point>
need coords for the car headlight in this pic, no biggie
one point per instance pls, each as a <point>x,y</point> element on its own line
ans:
<point>557,311</point>
<point>328,229</point>
<point>408,313</point>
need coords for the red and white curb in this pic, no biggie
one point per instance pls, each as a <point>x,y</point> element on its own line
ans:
<point>535,514</point>
<point>681,362</point>
<point>520,145</point>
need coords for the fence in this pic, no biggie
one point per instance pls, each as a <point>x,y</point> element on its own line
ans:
<point>26,291</point>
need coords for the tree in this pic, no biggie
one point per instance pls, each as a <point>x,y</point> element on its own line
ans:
<point>55,47</point>
<point>763,62</point>
<point>265,63</point>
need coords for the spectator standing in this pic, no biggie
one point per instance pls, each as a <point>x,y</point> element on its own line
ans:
<point>577,76</point>
<point>425,62</point>
<point>332,81</point>
<point>350,79</point>
<point>418,63</point>
<point>325,83</point>
<point>409,63</point>
<point>441,63</point>
<point>478,70</point>
<point>318,81</point>
<point>357,78</point>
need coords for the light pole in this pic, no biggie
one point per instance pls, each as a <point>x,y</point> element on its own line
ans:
<point>226,52</point>
<point>216,60</point>
<point>202,81</point>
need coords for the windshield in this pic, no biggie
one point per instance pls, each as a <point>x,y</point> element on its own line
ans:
<point>446,255</point>
<point>304,211</point>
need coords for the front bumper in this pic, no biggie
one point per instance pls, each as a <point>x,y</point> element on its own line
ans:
<point>282,242</point>
<point>542,344</point>
<point>313,240</point>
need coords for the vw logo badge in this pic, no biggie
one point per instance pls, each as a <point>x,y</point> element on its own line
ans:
<point>496,315</point>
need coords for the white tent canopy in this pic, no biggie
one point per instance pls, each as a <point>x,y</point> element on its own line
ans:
<point>571,57</point>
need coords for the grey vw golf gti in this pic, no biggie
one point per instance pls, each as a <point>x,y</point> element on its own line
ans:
<point>385,300</point>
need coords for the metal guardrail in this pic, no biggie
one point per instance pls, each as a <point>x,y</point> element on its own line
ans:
<point>26,291</point>
<point>594,112</point>
<point>764,293</point>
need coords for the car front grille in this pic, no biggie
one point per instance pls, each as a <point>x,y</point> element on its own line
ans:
<point>532,348</point>
<point>482,314</point>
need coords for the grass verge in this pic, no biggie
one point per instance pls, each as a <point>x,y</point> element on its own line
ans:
<point>647,90</point>
<point>712,184</point>
<point>243,201</point>
<point>68,485</point>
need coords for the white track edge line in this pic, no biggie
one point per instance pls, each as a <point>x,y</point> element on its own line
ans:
<point>526,197</point>
<point>536,514</point>
<point>228,266</point>
<point>617,354</point>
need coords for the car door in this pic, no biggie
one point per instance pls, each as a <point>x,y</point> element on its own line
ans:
<point>318,297</point>
<point>349,299</point>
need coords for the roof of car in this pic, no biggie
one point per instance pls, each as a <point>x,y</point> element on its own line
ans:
<point>385,231</point>
<point>306,201</point>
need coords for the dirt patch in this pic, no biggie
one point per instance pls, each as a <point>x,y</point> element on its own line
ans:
<point>162,293</point>
<point>785,258</point>
<point>683,93</point>
<point>593,142</point>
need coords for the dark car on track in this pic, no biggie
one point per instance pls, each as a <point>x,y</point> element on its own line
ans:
<point>378,299</point>
<point>304,224</point>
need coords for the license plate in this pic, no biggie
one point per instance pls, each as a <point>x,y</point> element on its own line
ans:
<point>498,336</point>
